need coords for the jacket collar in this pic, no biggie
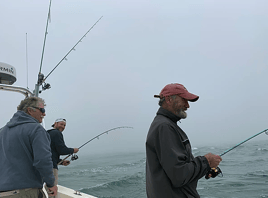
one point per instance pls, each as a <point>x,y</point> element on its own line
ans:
<point>168,114</point>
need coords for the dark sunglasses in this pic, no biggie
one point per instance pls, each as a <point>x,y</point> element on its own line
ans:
<point>41,109</point>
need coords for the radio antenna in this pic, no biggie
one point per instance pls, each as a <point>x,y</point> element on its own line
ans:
<point>27,60</point>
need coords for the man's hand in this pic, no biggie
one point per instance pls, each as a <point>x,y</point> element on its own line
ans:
<point>53,191</point>
<point>65,162</point>
<point>76,150</point>
<point>213,160</point>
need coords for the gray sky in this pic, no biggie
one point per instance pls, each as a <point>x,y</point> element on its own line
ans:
<point>217,49</point>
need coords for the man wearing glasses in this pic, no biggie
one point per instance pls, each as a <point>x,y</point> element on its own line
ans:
<point>25,155</point>
<point>58,146</point>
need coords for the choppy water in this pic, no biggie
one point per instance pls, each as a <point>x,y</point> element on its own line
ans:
<point>122,175</point>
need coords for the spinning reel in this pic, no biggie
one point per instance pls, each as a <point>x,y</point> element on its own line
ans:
<point>214,172</point>
<point>74,157</point>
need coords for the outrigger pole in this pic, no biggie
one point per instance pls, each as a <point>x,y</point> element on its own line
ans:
<point>105,132</point>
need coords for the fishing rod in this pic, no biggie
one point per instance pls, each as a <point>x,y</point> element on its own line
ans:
<point>75,157</point>
<point>72,49</point>
<point>44,44</point>
<point>41,78</point>
<point>40,75</point>
<point>227,151</point>
<point>215,171</point>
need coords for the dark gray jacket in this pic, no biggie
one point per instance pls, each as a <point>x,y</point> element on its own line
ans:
<point>171,169</point>
<point>25,156</point>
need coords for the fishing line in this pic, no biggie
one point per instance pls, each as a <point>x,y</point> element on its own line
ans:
<point>215,171</point>
<point>75,157</point>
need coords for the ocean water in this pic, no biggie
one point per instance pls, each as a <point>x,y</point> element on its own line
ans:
<point>122,175</point>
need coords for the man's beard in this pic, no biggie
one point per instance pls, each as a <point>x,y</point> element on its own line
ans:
<point>59,129</point>
<point>181,114</point>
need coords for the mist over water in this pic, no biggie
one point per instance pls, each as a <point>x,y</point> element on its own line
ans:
<point>136,49</point>
<point>122,175</point>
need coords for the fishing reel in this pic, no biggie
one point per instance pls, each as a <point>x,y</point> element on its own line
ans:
<point>41,82</point>
<point>214,172</point>
<point>46,86</point>
<point>74,157</point>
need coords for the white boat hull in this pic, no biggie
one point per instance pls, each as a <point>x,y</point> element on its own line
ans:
<point>65,192</point>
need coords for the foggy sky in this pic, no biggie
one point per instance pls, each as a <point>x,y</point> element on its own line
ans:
<point>216,49</point>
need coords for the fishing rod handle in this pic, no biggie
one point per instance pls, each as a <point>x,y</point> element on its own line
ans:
<point>64,159</point>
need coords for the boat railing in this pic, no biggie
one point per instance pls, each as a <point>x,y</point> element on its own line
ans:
<point>22,90</point>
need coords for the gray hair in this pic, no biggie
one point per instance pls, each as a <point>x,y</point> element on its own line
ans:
<point>30,102</point>
<point>161,101</point>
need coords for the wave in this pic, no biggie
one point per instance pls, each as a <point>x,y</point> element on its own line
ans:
<point>132,179</point>
<point>119,167</point>
<point>262,149</point>
<point>258,173</point>
<point>244,174</point>
<point>121,187</point>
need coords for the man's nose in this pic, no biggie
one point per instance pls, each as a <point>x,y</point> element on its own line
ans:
<point>187,104</point>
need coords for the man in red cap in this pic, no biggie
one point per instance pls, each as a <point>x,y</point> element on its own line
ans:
<point>171,169</point>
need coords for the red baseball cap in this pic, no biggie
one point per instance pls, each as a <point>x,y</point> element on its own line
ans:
<point>177,89</point>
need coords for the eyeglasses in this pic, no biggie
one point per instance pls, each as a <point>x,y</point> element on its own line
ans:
<point>41,109</point>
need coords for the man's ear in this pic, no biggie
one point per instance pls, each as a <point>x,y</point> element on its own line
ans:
<point>29,110</point>
<point>168,100</point>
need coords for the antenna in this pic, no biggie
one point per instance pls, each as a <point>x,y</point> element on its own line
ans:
<point>27,60</point>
